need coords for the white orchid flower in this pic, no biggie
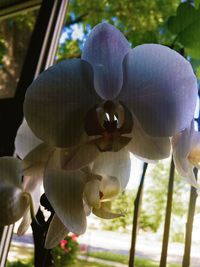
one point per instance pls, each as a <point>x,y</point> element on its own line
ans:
<point>93,111</point>
<point>39,160</point>
<point>20,180</point>
<point>113,97</point>
<point>18,199</point>
<point>186,153</point>
<point>74,194</point>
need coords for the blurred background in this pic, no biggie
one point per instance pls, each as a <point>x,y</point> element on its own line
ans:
<point>173,23</point>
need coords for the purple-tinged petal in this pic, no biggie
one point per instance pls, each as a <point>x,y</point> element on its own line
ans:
<point>105,49</point>
<point>160,88</point>
<point>56,103</point>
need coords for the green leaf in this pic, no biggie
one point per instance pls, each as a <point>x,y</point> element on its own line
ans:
<point>186,15</point>
<point>190,38</point>
<point>186,26</point>
<point>196,3</point>
<point>198,72</point>
<point>2,50</point>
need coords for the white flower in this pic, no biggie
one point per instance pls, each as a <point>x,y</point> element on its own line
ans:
<point>74,194</point>
<point>186,153</point>
<point>85,116</point>
<point>114,96</point>
<point>18,199</point>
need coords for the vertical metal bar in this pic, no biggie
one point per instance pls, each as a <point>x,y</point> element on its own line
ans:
<point>189,224</point>
<point>61,16</point>
<point>44,37</point>
<point>4,246</point>
<point>136,217</point>
<point>163,259</point>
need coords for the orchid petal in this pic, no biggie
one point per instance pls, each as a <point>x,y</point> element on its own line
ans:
<point>56,103</point>
<point>91,193</point>
<point>35,161</point>
<point>105,213</point>
<point>105,49</point>
<point>115,144</point>
<point>115,164</point>
<point>110,187</point>
<point>56,232</point>
<point>25,223</point>
<point>181,145</point>
<point>80,157</point>
<point>31,185</point>
<point>75,158</point>
<point>64,191</point>
<point>160,88</point>
<point>147,147</point>
<point>25,140</point>
<point>14,202</point>
<point>146,159</point>
<point>194,155</point>
<point>11,172</point>
<point>87,208</point>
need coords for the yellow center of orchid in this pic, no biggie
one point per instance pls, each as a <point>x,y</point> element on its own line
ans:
<point>97,191</point>
<point>194,157</point>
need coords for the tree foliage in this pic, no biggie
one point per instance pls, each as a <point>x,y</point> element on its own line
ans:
<point>155,197</point>
<point>186,27</point>
<point>153,204</point>
<point>14,38</point>
<point>124,204</point>
<point>140,21</point>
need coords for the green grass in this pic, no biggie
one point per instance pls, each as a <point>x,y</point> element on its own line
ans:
<point>81,263</point>
<point>100,255</point>
<point>78,263</point>
<point>124,259</point>
<point>109,256</point>
<point>19,264</point>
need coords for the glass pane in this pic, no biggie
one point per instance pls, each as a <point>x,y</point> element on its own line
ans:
<point>15,34</point>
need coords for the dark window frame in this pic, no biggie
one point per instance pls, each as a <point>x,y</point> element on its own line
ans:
<point>40,55</point>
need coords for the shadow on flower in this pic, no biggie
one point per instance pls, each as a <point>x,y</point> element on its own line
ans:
<point>83,119</point>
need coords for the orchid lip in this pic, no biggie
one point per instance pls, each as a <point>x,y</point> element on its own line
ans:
<point>109,120</point>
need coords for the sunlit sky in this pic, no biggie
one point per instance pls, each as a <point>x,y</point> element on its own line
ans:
<point>75,32</point>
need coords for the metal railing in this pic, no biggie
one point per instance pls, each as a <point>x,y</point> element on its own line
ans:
<point>168,213</point>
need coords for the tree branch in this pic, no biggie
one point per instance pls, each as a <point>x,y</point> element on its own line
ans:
<point>77,20</point>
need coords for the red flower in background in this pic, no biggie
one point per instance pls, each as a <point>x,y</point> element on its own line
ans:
<point>63,243</point>
<point>74,237</point>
